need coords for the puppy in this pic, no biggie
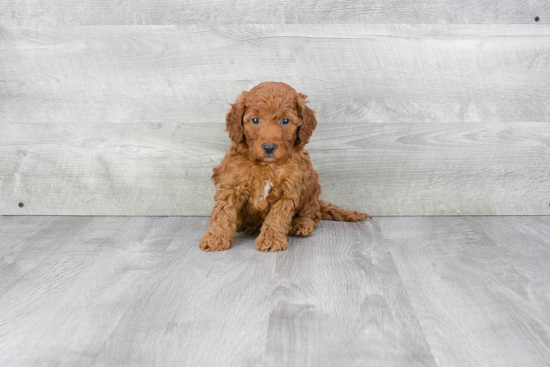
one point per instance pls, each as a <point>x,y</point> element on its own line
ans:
<point>266,180</point>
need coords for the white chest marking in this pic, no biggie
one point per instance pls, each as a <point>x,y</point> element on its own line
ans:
<point>267,188</point>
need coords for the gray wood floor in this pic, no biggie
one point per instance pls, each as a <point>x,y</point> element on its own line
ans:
<point>407,291</point>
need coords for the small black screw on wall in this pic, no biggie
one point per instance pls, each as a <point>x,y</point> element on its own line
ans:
<point>21,205</point>
<point>537,19</point>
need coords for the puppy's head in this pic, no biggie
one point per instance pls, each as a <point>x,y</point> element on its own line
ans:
<point>272,119</point>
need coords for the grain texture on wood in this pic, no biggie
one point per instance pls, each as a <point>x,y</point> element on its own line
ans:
<point>394,168</point>
<point>106,169</point>
<point>197,308</point>
<point>479,286</point>
<point>99,12</point>
<point>64,309</point>
<point>352,73</point>
<point>128,120</point>
<point>26,242</point>
<point>338,301</point>
<point>118,291</point>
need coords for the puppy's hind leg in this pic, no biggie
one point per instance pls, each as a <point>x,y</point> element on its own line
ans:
<point>301,227</point>
<point>305,221</point>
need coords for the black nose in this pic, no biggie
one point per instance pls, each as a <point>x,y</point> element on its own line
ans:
<point>269,147</point>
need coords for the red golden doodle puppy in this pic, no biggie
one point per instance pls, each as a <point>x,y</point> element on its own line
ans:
<point>266,179</point>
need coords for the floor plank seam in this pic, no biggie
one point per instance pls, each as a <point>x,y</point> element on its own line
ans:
<point>405,288</point>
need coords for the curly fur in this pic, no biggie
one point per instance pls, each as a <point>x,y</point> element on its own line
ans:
<point>275,192</point>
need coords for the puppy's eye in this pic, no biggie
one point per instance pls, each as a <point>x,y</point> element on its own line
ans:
<point>255,121</point>
<point>285,121</point>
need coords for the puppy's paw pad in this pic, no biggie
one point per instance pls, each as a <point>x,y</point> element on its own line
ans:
<point>214,242</point>
<point>271,243</point>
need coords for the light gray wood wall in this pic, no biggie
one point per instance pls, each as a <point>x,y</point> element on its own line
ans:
<point>414,119</point>
<point>142,12</point>
<point>397,168</point>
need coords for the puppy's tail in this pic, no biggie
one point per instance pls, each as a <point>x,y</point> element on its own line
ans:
<point>332,212</point>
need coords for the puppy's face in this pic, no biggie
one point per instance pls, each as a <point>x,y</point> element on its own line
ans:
<point>274,120</point>
<point>270,126</point>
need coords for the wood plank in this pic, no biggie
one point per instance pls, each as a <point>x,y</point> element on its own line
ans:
<point>15,231</point>
<point>480,296</point>
<point>338,301</point>
<point>197,308</point>
<point>527,241</point>
<point>27,241</point>
<point>447,101</point>
<point>537,226</point>
<point>446,291</point>
<point>352,73</point>
<point>101,170</point>
<point>89,12</point>
<point>396,168</point>
<point>64,309</point>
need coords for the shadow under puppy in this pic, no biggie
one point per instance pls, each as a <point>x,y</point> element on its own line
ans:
<point>266,180</point>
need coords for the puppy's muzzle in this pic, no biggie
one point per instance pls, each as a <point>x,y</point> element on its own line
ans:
<point>269,148</point>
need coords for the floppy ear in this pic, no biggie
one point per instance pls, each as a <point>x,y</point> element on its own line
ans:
<point>234,119</point>
<point>309,121</point>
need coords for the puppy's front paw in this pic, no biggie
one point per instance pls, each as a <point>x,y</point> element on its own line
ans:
<point>268,241</point>
<point>215,242</point>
